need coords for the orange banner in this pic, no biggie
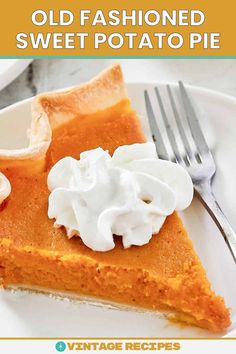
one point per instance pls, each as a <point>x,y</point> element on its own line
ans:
<point>117,28</point>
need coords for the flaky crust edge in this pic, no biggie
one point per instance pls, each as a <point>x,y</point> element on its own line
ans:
<point>51,109</point>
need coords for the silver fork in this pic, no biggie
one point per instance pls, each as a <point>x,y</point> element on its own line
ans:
<point>200,164</point>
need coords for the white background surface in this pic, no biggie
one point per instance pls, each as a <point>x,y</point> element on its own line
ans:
<point>186,346</point>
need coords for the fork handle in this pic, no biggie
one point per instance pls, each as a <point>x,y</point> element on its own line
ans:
<point>206,196</point>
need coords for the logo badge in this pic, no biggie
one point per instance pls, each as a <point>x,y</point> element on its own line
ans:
<point>60,346</point>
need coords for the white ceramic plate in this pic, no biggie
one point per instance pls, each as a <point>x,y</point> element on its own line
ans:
<point>10,69</point>
<point>28,314</point>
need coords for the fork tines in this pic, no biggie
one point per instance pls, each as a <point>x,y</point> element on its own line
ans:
<point>196,132</point>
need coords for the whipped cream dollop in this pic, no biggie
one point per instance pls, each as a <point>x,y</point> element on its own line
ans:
<point>129,195</point>
<point>5,187</point>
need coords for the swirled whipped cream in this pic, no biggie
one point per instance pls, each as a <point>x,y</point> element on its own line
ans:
<point>5,187</point>
<point>129,194</point>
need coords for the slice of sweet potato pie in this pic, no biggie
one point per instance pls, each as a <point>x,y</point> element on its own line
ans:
<point>89,209</point>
